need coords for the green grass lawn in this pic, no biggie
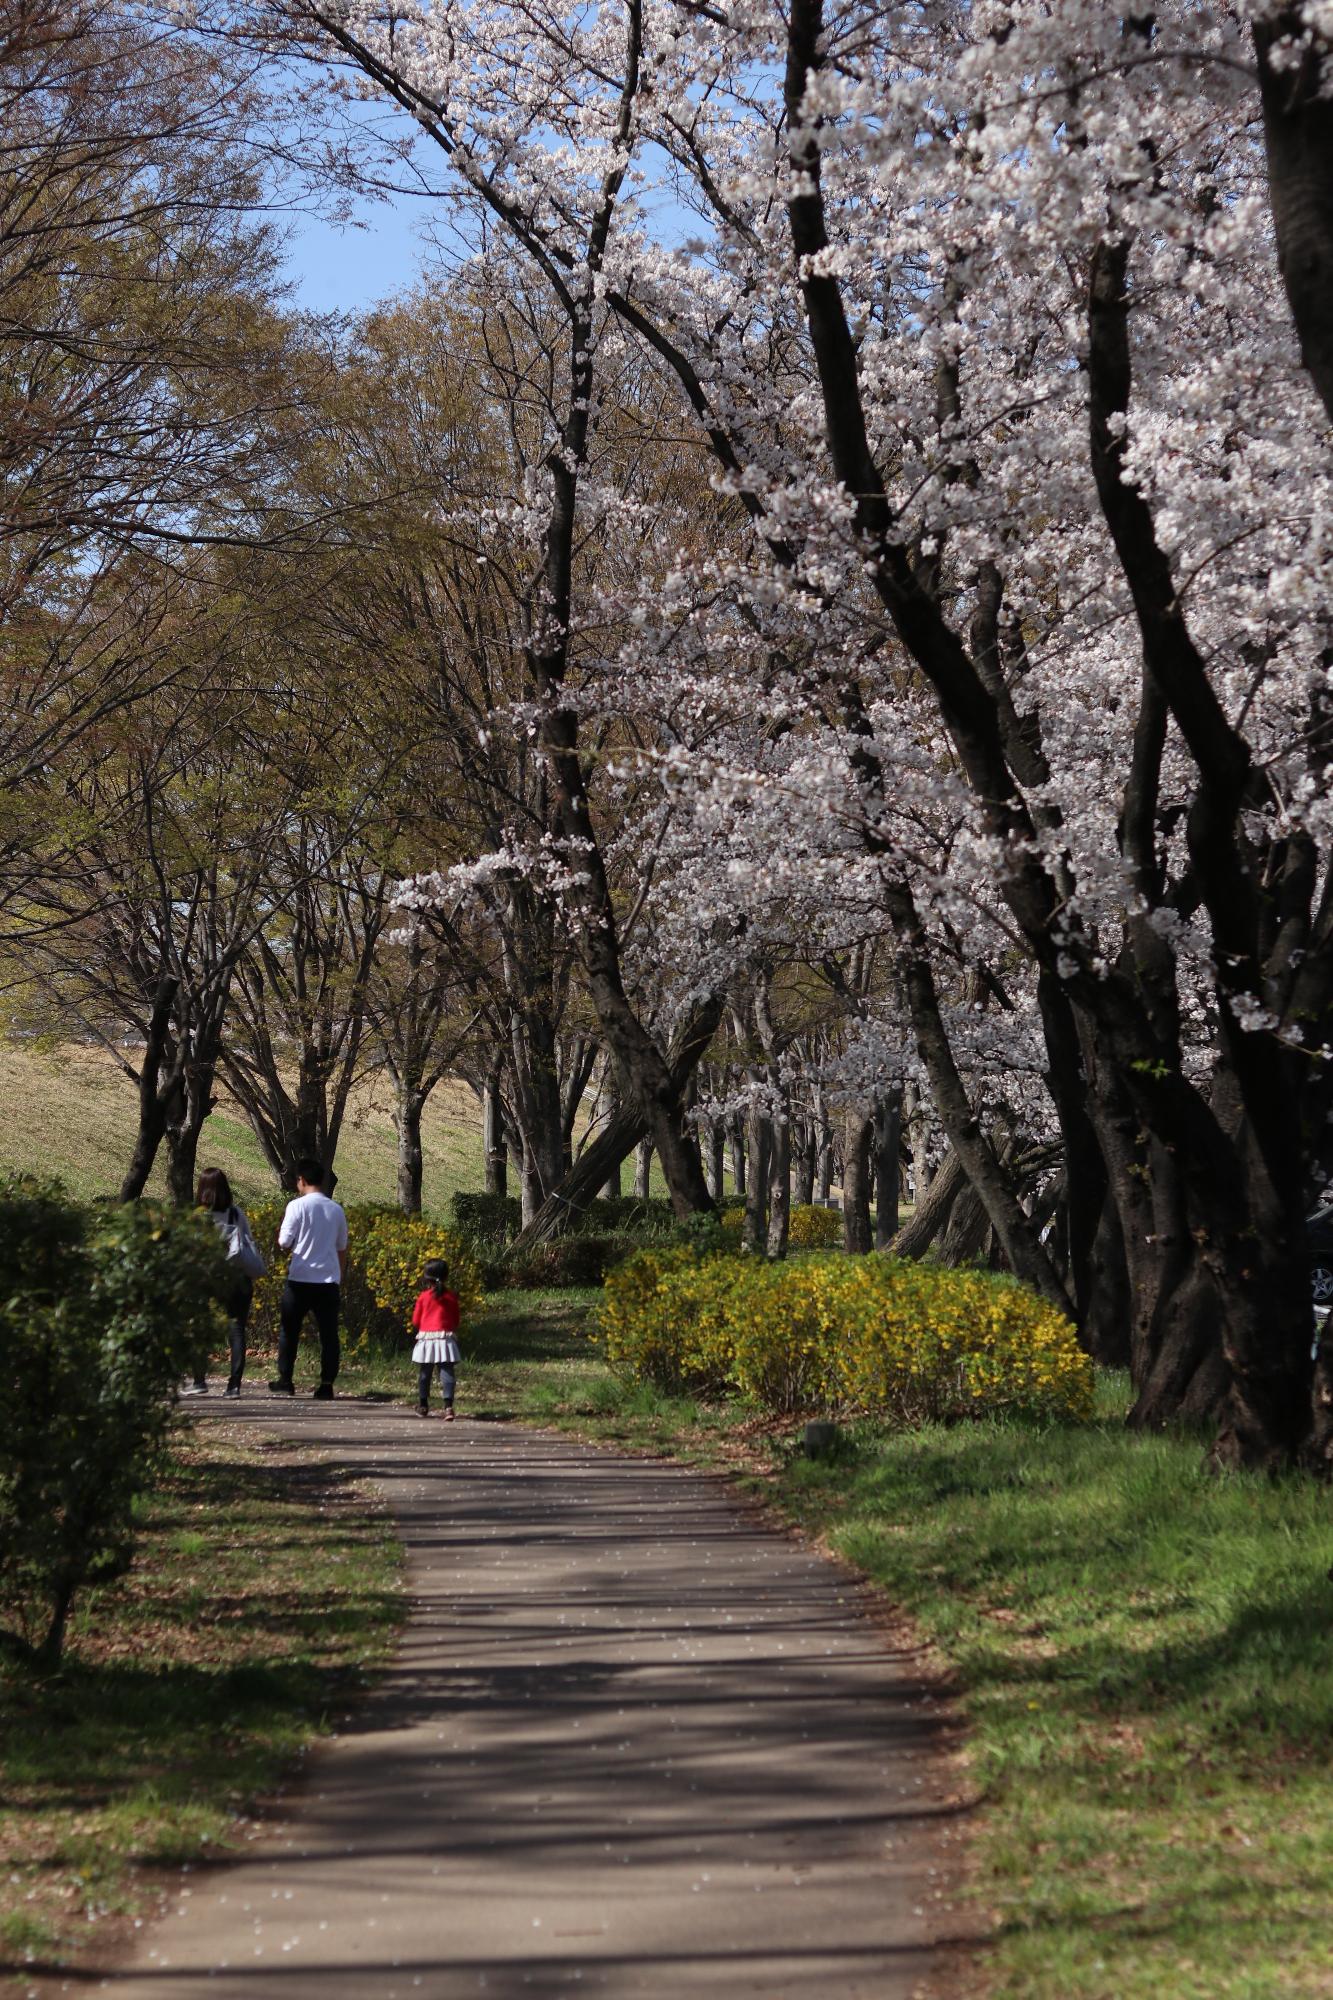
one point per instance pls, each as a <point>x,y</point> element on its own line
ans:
<point>264,1593</point>
<point>1143,1654</point>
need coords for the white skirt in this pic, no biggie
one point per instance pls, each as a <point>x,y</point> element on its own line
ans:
<point>432,1347</point>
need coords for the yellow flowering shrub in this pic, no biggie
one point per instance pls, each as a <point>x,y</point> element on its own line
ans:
<point>663,1317</point>
<point>809,1228</point>
<point>391,1250</point>
<point>386,1252</point>
<point>909,1341</point>
<point>814,1228</point>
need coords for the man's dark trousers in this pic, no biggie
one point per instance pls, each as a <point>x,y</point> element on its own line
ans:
<point>298,1299</point>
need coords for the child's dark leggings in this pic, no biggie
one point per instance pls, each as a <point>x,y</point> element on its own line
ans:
<point>446,1369</point>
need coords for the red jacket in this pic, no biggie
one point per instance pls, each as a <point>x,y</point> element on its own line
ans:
<point>436,1312</point>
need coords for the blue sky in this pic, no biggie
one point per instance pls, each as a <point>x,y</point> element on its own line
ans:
<point>345,269</point>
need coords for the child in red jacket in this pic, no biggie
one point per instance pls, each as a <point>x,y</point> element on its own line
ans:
<point>435,1321</point>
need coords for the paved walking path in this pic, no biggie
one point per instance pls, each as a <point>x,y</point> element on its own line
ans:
<point>632,1742</point>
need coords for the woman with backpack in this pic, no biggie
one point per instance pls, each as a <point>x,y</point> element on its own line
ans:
<point>245,1263</point>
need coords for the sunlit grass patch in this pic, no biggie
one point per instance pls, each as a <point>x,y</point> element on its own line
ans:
<point>1144,1658</point>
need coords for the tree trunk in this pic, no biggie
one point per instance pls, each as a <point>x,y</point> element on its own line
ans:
<point>803,1162</point>
<point>580,1185</point>
<point>643,1169</point>
<point>888,1140</point>
<point>48,1654</point>
<point>607,1101</point>
<point>1104,1321</point>
<point>715,1165</point>
<point>931,1215</point>
<point>965,1236</point>
<point>779,1185</point>
<point>197,1103</point>
<point>823,1143</point>
<point>156,1092</point>
<point>918,1136</point>
<point>492,1137</point>
<point>408,1108</point>
<point>858,1137</point>
<point>1298,137</point>
<point>758,1147</point>
<point>532,1193</point>
<point>736,1140</point>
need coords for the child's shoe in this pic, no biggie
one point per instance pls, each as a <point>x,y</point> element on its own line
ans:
<point>448,1413</point>
<point>423,1409</point>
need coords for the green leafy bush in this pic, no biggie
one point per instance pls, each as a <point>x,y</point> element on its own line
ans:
<point>564,1261</point>
<point>909,1341</point>
<point>626,1214</point>
<point>489,1220</point>
<point>101,1312</point>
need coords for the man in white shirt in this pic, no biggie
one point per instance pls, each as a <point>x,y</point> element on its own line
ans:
<point>314,1229</point>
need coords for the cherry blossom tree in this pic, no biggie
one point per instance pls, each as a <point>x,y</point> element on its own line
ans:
<point>1005,326</point>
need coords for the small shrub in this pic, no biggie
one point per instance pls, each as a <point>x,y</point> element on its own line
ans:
<point>101,1312</point>
<point>389,1251</point>
<point>564,1261</point>
<point>487,1219</point>
<point>826,1332</point>
<point>663,1318</point>
<point>626,1214</point>
<point>814,1228</point>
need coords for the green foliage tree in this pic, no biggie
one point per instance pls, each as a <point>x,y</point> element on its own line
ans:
<point>100,1313</point>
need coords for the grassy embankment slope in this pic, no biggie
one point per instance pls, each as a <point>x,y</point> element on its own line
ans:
<point>73,1114</point>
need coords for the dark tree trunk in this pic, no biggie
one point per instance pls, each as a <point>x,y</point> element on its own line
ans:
<point>196,1103</point>
<point>1091,1242</point>
<point>1298,136</point>
<point>1105,1318</point>
<point>410,1103</point>
<point>932,1214</point>
<point>736,1141</point>
<point>492,1137</point>
<point>779,1185</point>
<point>965,1236</point>
<point>888,1143</point>
<point>758,1143</point>
<point>159,1088</point>
<point>858,1138</point>
<point>48,1654</point>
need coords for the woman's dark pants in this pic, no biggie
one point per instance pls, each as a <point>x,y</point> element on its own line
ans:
<point>238,1306</point>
